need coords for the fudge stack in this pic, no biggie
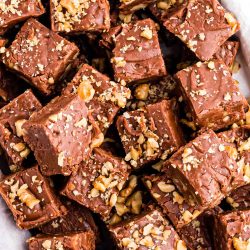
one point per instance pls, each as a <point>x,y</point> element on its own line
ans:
<point>121,125</point>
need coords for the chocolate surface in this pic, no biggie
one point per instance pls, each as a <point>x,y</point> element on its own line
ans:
<point>40,56</point>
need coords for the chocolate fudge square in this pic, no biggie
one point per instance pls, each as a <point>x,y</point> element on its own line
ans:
<point>72,241</point>
<point>137,55</point>
<point>202,170</point>
<point>227,53</point>
<point>149,230</point>
<point>103,97</point>
<point>78,218</point>
<point>12,12</point>
<point>212,95</point>
<point>236,143</point>
<point>179,210</point>
<point>203,25</point>
<point>97,182</point>
<point>59,135</point>
<point>12,117</point>
<point>30,198</point>
<point>149,133</point>
<point>232,230</point>
<point>240,197</point>
<point>40,56</point>
<point>68,16</point>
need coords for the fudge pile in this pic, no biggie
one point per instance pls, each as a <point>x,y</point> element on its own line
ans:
<point>121,125</point>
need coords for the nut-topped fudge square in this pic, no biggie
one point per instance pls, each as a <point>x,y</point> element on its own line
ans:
<point>13,12</point>
<point>212,95</point>
<point>178,209</point>
<point>68,16</point>
<point>12,117</point>
<point>70,241</point>
<point>40,56</point>
<point>149,230</point>
<point>232,230</point>
<point>59,135</point>
<point>236,143</point>
<point>97,182</point>
<point>137,55</point>
<point>240,197</point>
<point>203,25</point>
<point>149,133</point>
<point>103,97</point>
<point>202,170</point>
<point>78,218</point>
<point>30,198</point>
<point>129,7</point>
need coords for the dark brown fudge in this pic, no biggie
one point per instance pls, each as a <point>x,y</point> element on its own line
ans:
<point>71,241</point>
<point>12,117</point>
<point>240,197</point>
<point>77,17</point>
<point>137,55</point>
<point>203,171</point>
<point>149,133</point>
<point>212,95</point>
<point>97,182</point>
<point>203,25</point>
<point>12,12</point>
<point>40,56</point>
<point>103,97</point>
<point>78,218</point>
<point>30,198</point>
<point>227,52</point>
<point>147,231</point>
<point>149,93</point>
<point>178,209</point>
<point>130,6</point>
<point>198,233</point>
<point>237,143</point>
<point>59,135</point>
<point>232,230</point>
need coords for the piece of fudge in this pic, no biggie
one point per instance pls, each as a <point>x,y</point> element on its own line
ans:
<point>70,241</point>
<point>232,230</point>
<point>30,198</point>
<point>40,56</point>
<point>103,97</point>
<point>212,96</point>
<point>68,16</point>
<point>227,52</point>
<point>240,197</point>
<point>149,133</point>
<point>236,142</point>
<point>129,7</point>
<point>137,55</point>
<point>97,182</point>
<point>59,135</point>
<point>203,171</point>
<point>12,13</point>
<point>12,117</point>
<point>198,233</point>
<point>149,93</point>
<point>78,218</point>
<point>178,209</point>
<point>149,230</point>
<point>203,25</point>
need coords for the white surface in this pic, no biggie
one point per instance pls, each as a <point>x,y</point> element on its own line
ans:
<point>11,238</point>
